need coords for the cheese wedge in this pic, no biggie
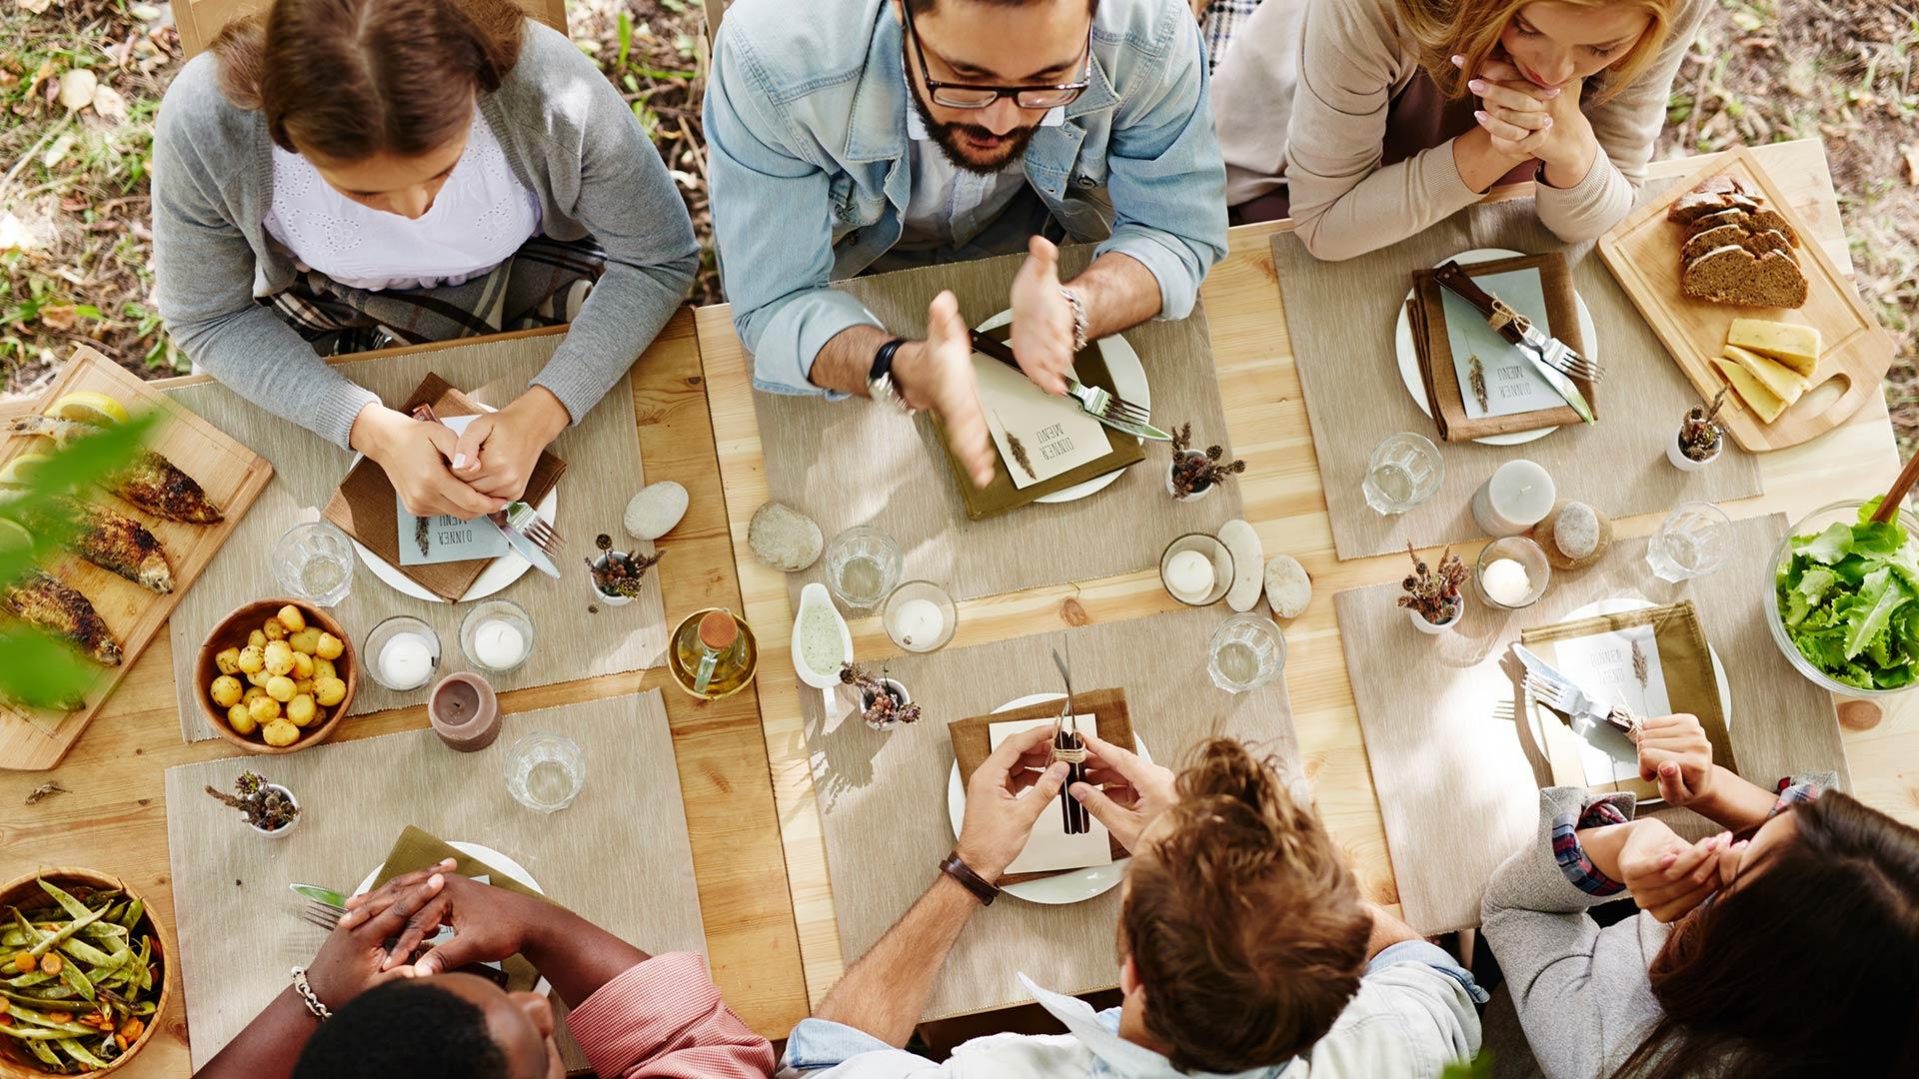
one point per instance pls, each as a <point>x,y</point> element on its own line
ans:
<point>1752,391</point>
<point>1785,383</point>
<point>1789,343</point>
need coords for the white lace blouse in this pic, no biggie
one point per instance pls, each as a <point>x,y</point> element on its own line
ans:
<point>481,216</point>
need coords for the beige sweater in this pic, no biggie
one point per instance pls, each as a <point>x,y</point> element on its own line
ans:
<point>1301,99</point>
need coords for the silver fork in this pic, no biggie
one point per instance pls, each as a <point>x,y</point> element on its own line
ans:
<point>1559,356</point>
<point>527,521</point>
<point>324,915</point>
<point>1573,702</point>
<point>1095,401</point>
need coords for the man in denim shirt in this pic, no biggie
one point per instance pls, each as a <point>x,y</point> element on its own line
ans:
<point>1245,949</point>
<point>855,135</point>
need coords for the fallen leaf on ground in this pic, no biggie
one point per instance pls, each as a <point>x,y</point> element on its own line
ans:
<point>109,104</point>
<point>58,151</point>
<point>14,235</point>
<point>76,89</point>
<point>34,7</point>
<point>44,791</point>
<point>144,12</point>
<point>59,316</point>
<point>1911,154</point>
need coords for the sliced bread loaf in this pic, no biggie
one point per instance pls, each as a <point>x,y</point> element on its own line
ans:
<point>1758,219</point>
<point>1756,241</point>
<point>1733,275</point>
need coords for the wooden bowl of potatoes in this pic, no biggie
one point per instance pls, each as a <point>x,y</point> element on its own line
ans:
<point>276,676</point>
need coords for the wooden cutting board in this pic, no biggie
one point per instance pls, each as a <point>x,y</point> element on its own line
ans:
<point>232,476</point>
<point>1643,253</point>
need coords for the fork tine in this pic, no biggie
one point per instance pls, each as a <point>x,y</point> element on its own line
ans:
<point>544,537</point>
<point>1119,408</point>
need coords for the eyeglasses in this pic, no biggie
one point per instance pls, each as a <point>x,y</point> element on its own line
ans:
<point>954,95</point>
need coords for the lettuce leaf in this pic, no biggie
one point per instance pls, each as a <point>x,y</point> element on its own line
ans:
<point>1828,546</point>
<point>1879,596</point>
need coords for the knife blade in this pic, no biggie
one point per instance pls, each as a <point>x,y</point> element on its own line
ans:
<point>319,895</point>
<point>998,350</point>
<point>1524,335</point>
<point>1584,712</point>
<point>511,522</point>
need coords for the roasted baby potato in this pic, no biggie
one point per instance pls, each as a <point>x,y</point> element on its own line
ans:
<point>264,709</point>
<point>329,647</point>
<point>291,619</point>
<point>280,733</point>
<point>240,718</point>
<point>329,691</point>
<point>228,661</point>
<point>300,710</point>
<point>225,691</point>
<point>251,658</point>
<point>278,657</point>
<point>273,629</point>
<point>305,640</point>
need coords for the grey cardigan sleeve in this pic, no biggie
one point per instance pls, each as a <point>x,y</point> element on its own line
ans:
<point>204,270</point>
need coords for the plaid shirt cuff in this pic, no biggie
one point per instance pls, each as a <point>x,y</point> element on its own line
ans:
<point>1792,793</point>
<point>1571,857</point>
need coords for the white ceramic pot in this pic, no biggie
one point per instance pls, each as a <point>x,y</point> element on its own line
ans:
<point>1419,621</point>
<point>1686,464</point>
<point>894,688</point>
<point>291,825</point>
<point>610,601</point>
<point>1196,495</point>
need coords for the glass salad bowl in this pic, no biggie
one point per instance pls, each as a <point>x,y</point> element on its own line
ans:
<point>1781,569</point>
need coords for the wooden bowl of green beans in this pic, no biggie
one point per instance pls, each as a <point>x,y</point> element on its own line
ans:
<point>99,982</point>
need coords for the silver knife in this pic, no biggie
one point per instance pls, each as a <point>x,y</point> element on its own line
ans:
<point>1532,342</point>
<point>1581,710</point>
<point>998,350</point>
<point>512,522</point>
<point>319,895</point>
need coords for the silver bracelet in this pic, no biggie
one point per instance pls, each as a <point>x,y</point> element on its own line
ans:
<point>1079,318</point>
<point>307,995</point>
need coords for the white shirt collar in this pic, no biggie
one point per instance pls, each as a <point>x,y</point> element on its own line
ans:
<point>1129,1059</point>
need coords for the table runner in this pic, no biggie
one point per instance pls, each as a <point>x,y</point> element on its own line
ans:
<point>571,642</point>
<point>845,464</point>
<point>882,795</point>
<point>619,856</point>
<point>1455,775</point>
<point>1340,316</point>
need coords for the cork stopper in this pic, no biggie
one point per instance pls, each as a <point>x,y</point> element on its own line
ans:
<point>718,631</point>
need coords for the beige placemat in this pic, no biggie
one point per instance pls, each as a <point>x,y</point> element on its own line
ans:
<point>1341,316</point>
<point>844,463</point>
<point>883,795</point>
<point>603,454</point>
<point>619,855</point>
<point>1457,777</point>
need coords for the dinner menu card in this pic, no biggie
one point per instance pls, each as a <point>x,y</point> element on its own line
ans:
<point>1048,848</point>
<point>426,541</point>
<point>1038,435</point>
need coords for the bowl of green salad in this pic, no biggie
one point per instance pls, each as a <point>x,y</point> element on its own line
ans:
<point>1843,601</point>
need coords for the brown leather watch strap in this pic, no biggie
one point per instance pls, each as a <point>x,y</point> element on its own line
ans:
<point>954,866</point>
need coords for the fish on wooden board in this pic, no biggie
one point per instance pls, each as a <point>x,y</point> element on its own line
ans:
<point>151,482</point>
<point>41,601</point>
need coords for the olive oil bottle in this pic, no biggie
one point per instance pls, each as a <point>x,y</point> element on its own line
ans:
<point>713,654</point>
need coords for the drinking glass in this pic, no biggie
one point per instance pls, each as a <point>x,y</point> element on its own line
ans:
<point>545,771</point>
<point>1404,471</point>
<point>313,561</point>
<point>862,566</point>
<point>1691,542</point>
<point>1247,652</point>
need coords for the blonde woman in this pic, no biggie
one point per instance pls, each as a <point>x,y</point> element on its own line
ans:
<point>1369,120</point>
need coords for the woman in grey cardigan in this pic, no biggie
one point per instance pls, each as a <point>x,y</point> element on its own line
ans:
<point>1787,945</point>
<point>346,173</point>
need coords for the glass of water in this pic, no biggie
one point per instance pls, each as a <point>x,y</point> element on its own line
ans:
<point>545,771</point>
<point>313,561</point>
<point>862,566</point>
<point>1691,542</point>
<point>1404,471</point>
<point>1247,652</point>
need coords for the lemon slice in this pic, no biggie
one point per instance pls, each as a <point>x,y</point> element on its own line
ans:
<point>19,471</point>
<point>13,537</point>
<point>91,407</point>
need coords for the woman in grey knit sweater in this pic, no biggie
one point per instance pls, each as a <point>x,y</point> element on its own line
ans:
<point>340,174</point>
<point>1786,945</point>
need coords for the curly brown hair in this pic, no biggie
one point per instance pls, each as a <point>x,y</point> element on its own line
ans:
<point>349,79</point>
<point>1243,919</point>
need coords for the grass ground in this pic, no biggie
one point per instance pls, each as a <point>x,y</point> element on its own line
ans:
<point>75,250</point>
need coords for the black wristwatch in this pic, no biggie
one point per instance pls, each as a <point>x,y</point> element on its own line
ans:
<point>879,378</point>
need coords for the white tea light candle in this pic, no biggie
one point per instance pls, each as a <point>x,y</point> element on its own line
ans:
<point>1514,499</point>
<point>498,644</point>
<point>1506,582</point>
<point>917,623</point>
<point>406,661</point>
<point>1189,575</point>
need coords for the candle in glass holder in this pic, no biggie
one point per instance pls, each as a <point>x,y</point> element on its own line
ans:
<point>498,644</point>
<point>1190,575</point>
<point>917,622</point>
<point>1506,582</point>
<point>1514,499</point>
<point>406,661</point>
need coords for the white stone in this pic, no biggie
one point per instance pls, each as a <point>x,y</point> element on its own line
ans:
<point>784,538</point>
<point>1576,530</point>
<point>76,89</point>
<point>1249,564</point>
<point>1288,587</point>
<point>655,510</point>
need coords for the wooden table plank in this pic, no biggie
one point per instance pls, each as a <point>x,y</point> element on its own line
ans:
<point>113,817</point>
<point>1267,418</point>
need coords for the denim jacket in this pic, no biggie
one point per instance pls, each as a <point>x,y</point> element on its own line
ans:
<point>811,170</point>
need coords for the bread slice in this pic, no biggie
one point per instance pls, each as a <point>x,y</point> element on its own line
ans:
<point>1756,219</point>
<point>1733,275</point>
<point>1785,383</point>
<point>1757,241</point>
<point>1790,344</point>
<point>1713,194</point>
<point>1756,396</point>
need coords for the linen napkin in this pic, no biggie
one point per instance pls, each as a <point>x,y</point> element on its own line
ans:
<point>367,508</point>
<point>418,849</point>
<point>972,737</point>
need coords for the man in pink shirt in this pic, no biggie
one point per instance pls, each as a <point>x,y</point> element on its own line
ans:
<point>359,1011</point>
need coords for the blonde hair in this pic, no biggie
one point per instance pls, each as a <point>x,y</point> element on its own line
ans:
<point>1443,29</point>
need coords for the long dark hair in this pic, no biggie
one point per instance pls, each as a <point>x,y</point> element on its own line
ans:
<point>348,79</point>
<point>1808,968</point>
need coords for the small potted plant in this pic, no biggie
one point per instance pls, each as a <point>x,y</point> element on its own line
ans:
<point>1194,473</point>
<point>1700,439</point>
<point>618,575</point>
<point>1433,602</point>
<point>269,808</point>
<point>884,702</point>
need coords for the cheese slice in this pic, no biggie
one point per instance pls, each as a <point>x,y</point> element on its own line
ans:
<point>1752,391</point>
<point>1785,383</point>
<point>1794,345</point>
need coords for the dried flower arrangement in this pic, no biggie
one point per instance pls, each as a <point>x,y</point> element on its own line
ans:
<point>881,706</point>
<point>265,806</point>
<point>1699,437</point>
<point>1434,594</point>
<point>1476,371</point>
<point>619,573</point>
<point>1195,471</point>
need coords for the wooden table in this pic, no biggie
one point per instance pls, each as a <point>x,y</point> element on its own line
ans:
<point>113,817</point>
<point>1284,500</point>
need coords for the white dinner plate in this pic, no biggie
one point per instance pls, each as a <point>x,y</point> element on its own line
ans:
<point>480,852</point>
<point>1072,886</point>
<point>1598,757</point>
<point>1409,360</point>
<point>1129,384</point>
<point>499,573</point>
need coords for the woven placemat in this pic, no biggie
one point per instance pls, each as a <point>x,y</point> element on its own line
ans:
<point>883,795</point>
<point>1340,316</point>
<point>239,926</point>
<point>1457,777</point>
<point>603,454</point>
<point>845,463</point>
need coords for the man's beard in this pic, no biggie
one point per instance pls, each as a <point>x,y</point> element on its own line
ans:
<point>946,136</point>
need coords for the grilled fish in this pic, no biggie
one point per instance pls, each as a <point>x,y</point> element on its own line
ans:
<point>115,542</point>
<point>39,600</point>
<point>152,482</point>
